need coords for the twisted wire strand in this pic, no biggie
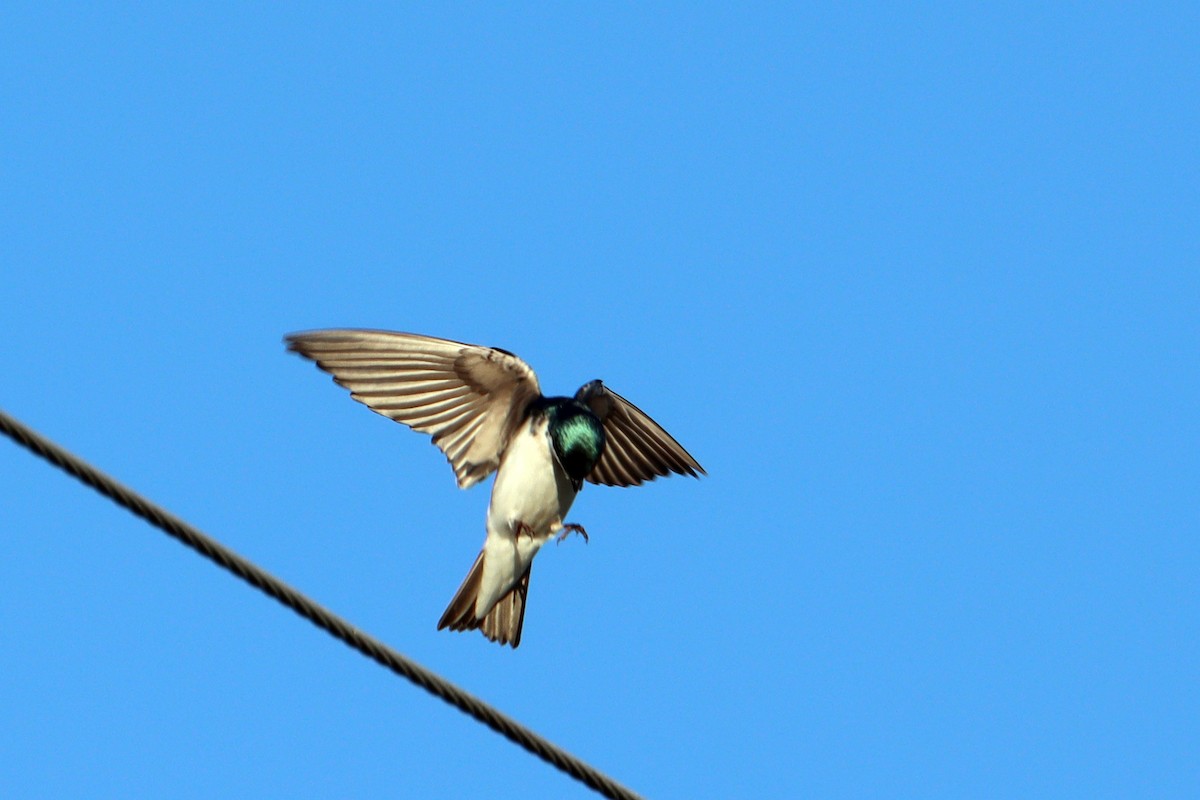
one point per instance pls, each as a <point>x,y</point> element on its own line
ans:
<point>312,611</point>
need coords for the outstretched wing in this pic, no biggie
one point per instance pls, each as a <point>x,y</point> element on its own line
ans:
<point>636,448</point>
<point>470,398</point>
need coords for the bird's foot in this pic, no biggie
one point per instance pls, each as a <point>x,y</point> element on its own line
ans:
<point>525,529</point>
<point>569,528</point>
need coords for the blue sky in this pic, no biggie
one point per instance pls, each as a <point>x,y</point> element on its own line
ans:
<point>917,285</point>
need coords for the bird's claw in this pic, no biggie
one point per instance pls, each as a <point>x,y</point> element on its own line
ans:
<point>570,528</point>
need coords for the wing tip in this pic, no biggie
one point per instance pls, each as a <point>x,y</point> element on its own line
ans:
<point>292,342</point>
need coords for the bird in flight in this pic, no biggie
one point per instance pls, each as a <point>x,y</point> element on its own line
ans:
<point>486,412</point>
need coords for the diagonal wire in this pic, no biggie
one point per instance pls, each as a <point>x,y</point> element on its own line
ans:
<point>313,612</point>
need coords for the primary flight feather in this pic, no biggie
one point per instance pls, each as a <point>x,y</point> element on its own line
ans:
<point>485,410</point>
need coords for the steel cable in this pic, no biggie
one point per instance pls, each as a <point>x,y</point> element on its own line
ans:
<point>312,611</point>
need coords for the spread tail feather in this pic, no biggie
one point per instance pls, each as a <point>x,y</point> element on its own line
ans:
<point>502,623</point>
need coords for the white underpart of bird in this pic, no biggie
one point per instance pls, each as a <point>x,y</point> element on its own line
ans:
<point>530,499</point>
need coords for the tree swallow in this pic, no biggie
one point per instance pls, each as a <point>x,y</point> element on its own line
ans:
<point>486,412</point>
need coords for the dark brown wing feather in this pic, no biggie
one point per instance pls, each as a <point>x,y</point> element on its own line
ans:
<point>470,398</point>
<point>636,448</point>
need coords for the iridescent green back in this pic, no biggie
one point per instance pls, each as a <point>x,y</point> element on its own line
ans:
<point>578,437</point>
